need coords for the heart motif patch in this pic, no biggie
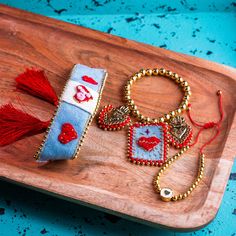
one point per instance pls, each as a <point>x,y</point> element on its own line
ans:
<point>67,134</point>
<point>89,80</point>
<point>148,143</point>
<point>111,118</point>
<point>180,132</point>
<point>82,94</point>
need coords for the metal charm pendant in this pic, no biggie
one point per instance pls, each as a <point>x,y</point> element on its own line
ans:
<point>180,133</point>
<point>166,194</point>
<point>111,118</point>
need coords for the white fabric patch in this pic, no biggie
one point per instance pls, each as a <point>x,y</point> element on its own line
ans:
<point>81,96</point>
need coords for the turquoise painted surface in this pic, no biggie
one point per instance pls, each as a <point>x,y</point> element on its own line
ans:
<point>202,28</point>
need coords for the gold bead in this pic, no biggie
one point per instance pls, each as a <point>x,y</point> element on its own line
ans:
<point>179,111</point>
<point>167,116</point>
<point>200,176</point>
<point>188,192</point>
<point>127,97</point>
<point>172,113</point>
<point>162,119</point>
<point>143,72</point>
<point>190,189</point>
<point>188,93</point>
<point>187,97</point>
<point>187,88</point>
<point>139,75</point>
<point>184,84</point>
<point>127,92</point>
<point>149,72</point>
<point>180,196</point>
<point>175,198</point>
<point>184,106</point>
<point>193,186</point>
<point>181,79</point>
<point>168,73</point>
<point>162,71</point>
<point>155,120</point>
<point>130,82</point>
<point>148,119</point>
<point>134,78</point>
<point>185,195</point>
<point>174,76</point>
<point>155,71</point>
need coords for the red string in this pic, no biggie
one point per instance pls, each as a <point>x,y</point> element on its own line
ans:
<point>208,125</point>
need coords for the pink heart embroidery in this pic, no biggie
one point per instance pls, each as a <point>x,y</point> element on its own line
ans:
<point>82,94</point>
<point>148,143</point>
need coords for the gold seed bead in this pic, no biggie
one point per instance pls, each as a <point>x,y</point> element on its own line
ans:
<point>148,119</point>
<point>139,75</point>
<point>174,76</point>
<point>162,71</point>
<point>190,189</point>
<point>162,119</point>
<point>175,198</point>
<point>172,113</point>
<point>185,195</point>
<point>155,71</point>
<point>149,72</point>
<point>134,78</point>
<point>143,72</point>
<point>188,192</point>
<point>127,92</point>
<point>168,73</point>
<point>180,196</point>
<point>184,107</point>
<point>179,110</point>
<point>184,84</point>
<point>167,116</point>
<point>187,88</point>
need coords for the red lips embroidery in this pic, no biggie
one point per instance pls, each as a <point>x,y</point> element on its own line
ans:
<point>67,134</point>
<point>89,80</point>
<point>148,143</point>
<point>82,94</point>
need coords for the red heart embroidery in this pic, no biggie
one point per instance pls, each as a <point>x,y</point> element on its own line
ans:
<point>67,134</point>
<point>89,80</point>
<point>148,143</point>
<point>82,94</point>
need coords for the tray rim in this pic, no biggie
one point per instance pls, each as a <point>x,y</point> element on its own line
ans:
<point>227,161</point>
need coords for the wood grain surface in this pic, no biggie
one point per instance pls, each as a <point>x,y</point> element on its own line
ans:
<point>102,177</point>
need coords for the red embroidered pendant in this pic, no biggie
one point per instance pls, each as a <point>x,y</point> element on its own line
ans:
<point>82,94</point>
<point>67,134</point>
<point>114,118</point>
<point>181,133</point>
<point>148,143</point>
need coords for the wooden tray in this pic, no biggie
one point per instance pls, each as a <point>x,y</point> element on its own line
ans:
<point>102,177</point>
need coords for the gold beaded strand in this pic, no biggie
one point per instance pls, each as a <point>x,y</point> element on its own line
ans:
<point>154,72</point>
<point>166,194</point>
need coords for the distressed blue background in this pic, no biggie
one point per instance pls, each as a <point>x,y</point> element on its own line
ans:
<point>202,28</point>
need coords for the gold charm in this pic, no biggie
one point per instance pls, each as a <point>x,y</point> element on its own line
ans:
<point>111,118</point>
<point>180,132</point>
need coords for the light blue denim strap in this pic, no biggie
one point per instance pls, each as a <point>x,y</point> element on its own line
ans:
<point>73,111</point>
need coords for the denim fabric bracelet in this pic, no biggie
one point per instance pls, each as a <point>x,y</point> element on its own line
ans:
<point>78,105</point>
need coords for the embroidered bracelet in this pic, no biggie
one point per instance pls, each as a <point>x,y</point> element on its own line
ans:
<point>77,107</point>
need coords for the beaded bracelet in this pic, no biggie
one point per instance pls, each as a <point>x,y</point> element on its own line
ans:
<point>149,138</point>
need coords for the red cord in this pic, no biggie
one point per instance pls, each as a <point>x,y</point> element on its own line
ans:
<point>208,125</point>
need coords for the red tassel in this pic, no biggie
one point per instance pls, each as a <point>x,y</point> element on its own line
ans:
<point>16,124</point>
<point>35,82</point>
